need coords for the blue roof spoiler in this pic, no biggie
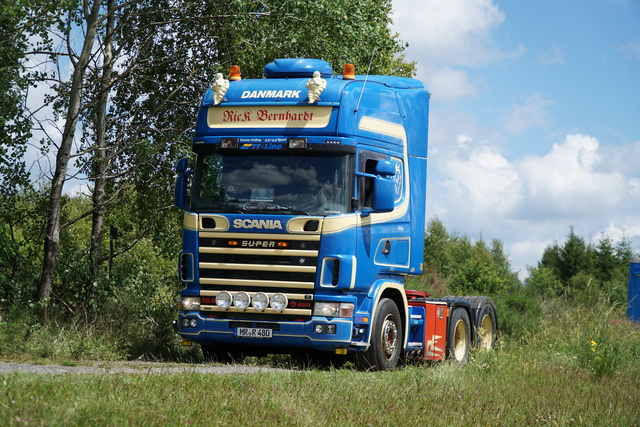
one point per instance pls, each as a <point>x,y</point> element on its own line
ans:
<point>297,67</point>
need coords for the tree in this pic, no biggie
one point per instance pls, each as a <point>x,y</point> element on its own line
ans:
<point>574,256</point>
<point>52,236</point>
<point>23,26</point>
<point>605,258</point>
<point>579,270</point>
<point>436,241</point>
<point>137,79</point>
<point>465,267</point>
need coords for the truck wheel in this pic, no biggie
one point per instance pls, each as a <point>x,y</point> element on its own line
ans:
<point>459,336</point>
<point>386,339</point>
<point>487,327</point>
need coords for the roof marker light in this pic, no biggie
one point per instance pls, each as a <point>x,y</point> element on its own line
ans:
<point>234,73</point>
<point>349,72</point>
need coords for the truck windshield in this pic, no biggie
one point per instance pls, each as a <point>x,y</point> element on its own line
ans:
<point>270,183</point>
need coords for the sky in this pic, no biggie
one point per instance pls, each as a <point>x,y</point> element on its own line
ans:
<point>534,120</point>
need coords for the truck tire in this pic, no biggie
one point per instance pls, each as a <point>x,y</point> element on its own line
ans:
<point>386,339</point>
<point>486,327</point>
<point>459,336</point>
<point>484,319</point>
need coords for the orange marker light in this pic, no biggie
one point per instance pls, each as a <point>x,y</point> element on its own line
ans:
<point>283,245</point>
<point>234,73</point>
<point>349,72</point>
<point>233,243</point>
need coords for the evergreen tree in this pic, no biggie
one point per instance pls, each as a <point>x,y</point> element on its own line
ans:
<point>574,257</point>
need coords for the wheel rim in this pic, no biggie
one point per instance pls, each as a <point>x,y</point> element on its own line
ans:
<point>389,337</point>
<point>486,332</point>
<point>460,340</point>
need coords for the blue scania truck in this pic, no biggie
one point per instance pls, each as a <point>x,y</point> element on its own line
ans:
<point>304,215</point>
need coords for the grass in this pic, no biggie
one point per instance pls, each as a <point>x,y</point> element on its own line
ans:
<point>554,375</point>
<point>505,387</point>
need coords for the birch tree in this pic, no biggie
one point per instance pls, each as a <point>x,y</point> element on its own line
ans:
<point>90,15</point>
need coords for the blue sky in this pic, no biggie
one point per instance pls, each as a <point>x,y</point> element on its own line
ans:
<point>535,117</point>
<point>534,124</point>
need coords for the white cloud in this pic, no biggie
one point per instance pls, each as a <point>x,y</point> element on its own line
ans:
<point>618,158</point>
<point>457,32</point>
<point>532,112</point>
<point>448,84</point>
<point>482,177</point>
<point>631,50</point>
<point>566,182</point>
<point>551,56</point>
<point>531,202</point>
<point>445,36</point>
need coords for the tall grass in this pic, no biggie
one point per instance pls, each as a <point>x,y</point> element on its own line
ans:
<point>566,365</point>
<point>505,387</point>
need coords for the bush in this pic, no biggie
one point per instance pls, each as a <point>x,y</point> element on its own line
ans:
<point>518,314</point>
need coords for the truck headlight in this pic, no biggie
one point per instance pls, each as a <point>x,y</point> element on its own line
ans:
<point>223,300</point>
<point>241,301</point>
<point>333,309</point>
<point>190,303</point>
<point>279,302</point>
<point>260,301</point>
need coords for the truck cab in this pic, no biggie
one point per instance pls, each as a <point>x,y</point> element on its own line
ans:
<point>304,214</point>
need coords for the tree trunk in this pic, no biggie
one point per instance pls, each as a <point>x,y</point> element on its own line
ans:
<point>100,159</point>
<point>52,237</point>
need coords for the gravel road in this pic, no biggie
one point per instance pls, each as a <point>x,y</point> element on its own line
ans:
<point>130,368</point>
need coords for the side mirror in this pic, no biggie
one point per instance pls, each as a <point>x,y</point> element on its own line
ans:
<point>182,166</point>
<point>383,191</point>
<point>383,194</point>
<point>386,168</point>
<point>182,180</point>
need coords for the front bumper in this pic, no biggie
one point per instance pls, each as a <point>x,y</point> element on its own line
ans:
<point>285,334</point>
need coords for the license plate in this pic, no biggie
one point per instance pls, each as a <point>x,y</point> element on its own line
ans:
<point>260,333</point>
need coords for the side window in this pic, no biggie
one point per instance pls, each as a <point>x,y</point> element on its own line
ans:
<point>210,178</point>
<point>399,179</point>
<point>367,161</point>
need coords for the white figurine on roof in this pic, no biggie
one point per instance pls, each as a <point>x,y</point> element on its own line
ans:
<point>316,85</point>
<point>219,88</point>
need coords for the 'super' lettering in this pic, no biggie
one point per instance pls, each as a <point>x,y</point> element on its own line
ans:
<point>258,244</point>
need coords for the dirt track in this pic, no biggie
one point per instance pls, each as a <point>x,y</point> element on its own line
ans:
<point>129,368</point>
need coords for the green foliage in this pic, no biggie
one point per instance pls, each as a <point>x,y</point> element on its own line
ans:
<point>14,125</point>
<point>20,245</point>
<point>455,264</point>
<point>601,356</point>
<point>544,281</point>
<point>519,314</point>
<point>477,278</point>
<point>592,335</point>
<point>582,271</point>
<point>541,379</point>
